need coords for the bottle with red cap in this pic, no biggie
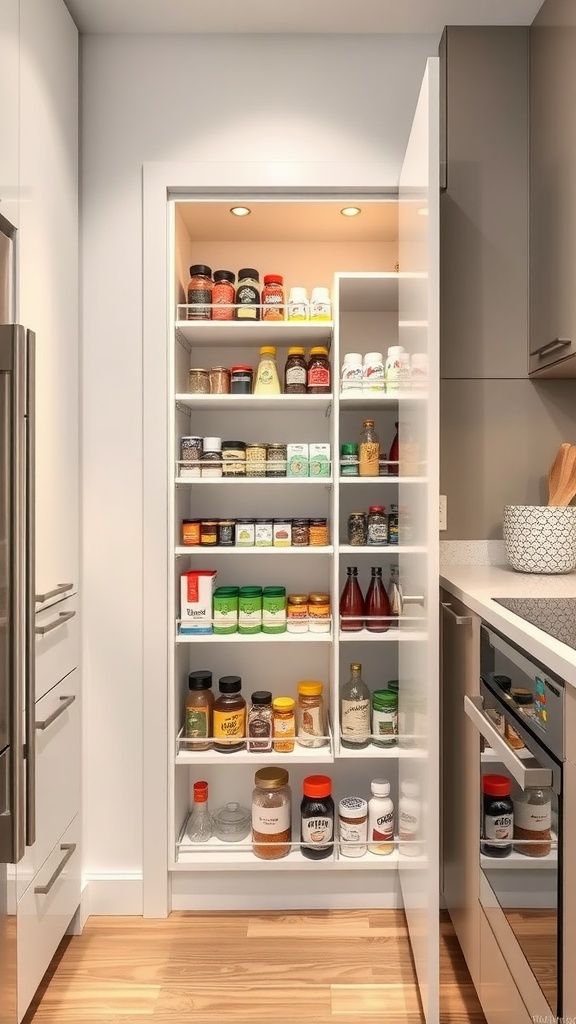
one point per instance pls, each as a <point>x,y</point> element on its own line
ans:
<point>273,297</point>
<point>497,817</point>
<point>199,825</point>
<point>317,822</point>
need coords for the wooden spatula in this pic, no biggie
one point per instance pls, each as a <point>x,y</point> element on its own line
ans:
<point>567,486</point>
<point>557,473</point>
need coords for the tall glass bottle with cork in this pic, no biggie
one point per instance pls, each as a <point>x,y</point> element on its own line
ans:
<point>355,705</point>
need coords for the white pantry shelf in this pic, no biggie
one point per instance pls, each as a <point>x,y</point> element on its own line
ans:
<point>257,403</point>
<point>360,402</point>
<point>254,481</point>
<point>300,755</point>
<point>372,753</point>
<point>382,549</point>
<point>207,549</point>
<point>218,856</point>
<point>254,332</point>
<point>355,480</point>
<point>391,636</point>
<point>255,638</point>
<point>520,862</point>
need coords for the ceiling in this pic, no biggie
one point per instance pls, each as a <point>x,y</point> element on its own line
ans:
<point>291,222</point>
<point>297,16</point>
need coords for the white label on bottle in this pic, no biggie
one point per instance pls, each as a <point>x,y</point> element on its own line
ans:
<point>351,377</point>
<point>383,828</point>
<point>270,821</point>
<point>296,375</point>
<point>408,824</point>
<point>320,310</point>
<point>310,722</point>
<point>273,617</point>
<point>374,377</point>
<point>384,723</point>
<point>498,826</point>
<point>357,832</point>
<point>284,726</point>
<point>533,817</point>
<point>355,719</point>
<point>317,831</point>
<point>297,310</point>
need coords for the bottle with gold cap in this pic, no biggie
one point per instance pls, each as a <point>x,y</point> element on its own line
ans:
<point>267,379</point>
<point>311,729</point>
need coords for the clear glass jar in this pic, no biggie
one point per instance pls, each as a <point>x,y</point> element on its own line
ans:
<point>223,294</point>
<point>310,715</point>
<point>271,814</point>
<point>369,446</point>
<point>260,723</point>
<point>199,296</point>
<point>284,724</point>
<point>533,822</point>
<point>357,529</point>
<point>297,611</point>
<point>377,525</point>
<point>319,613</point>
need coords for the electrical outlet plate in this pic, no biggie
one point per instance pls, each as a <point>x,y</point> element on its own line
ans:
<point>443,512</point>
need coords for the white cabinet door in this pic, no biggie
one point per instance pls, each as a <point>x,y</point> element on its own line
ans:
<point>9,108</point>
<point>418,811</point>
<point>48,260</point>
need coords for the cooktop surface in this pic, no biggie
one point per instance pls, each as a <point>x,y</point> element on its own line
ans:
<point>553,615</point>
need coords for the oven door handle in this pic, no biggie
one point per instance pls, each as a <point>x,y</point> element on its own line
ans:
<point>523,772</point>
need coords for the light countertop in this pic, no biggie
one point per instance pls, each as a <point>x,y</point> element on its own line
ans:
<point>476,585</point>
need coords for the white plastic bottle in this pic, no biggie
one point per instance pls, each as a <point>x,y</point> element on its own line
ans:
<point>393,367</point>
<point>351,379</point>
<point>409,815</point>
<point>373,372</point>
<point>298,307</point>
<point>380,818</point>
<point>320,304</point>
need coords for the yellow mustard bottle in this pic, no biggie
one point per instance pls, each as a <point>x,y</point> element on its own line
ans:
<point>267,379</point>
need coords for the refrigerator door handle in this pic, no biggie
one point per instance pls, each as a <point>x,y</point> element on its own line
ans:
<point>30,590</point>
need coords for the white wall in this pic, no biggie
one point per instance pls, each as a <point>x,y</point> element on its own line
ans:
<point>164,98</point>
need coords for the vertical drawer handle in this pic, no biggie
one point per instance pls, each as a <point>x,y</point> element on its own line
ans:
<point>62,618</point>
<point>66,702</point>
<point>60,589</point>
<point>43,890</point>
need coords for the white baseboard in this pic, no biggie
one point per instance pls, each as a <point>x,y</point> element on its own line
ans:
<point>345,891</point>
<point>112,894</point>
<point>385,901</point>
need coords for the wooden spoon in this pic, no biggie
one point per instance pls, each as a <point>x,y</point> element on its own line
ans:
<point>567,486</point>
<point>556,473</point>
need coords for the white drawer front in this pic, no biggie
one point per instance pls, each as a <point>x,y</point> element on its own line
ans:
<point>499,996</point>
<point>43,917</point>
<point>58,649</point>
<point>57,772</point>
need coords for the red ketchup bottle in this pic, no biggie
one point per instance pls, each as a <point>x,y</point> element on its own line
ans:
<point>377,604</point>
<point>351,603</point>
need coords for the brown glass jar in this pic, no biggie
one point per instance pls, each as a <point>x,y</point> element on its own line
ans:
<point>229,716</point>
<point>295,372</point>
<point>271,814</point>
<point>200,292</point>
<point>319,376</point>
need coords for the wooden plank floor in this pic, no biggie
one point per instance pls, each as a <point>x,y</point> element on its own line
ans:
<point>336,967</point>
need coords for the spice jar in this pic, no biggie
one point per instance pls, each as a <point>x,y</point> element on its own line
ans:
<point>220,380</point>
<point>284,724</point>
<point>318,533</point>
<point>384,718</point>
<point>533,821</point>
<point>318,374</point>
<point>199,706</point>
<point>226,531</point>
<point>198,382</point>
<point>282,533</point>
<point>225,610</point>
<point>241,380</point>
<point>317,818</point>
<point>250,611</point>
<point>357,529</point>
<point>497,816</point>
<point>260,723</point>
<point>271,814</point>
<point>190,455</point>
<point>523,699</point>
<point>377,525</point>
<point>300,533</point>
<point>223,295</point>
<point>232,823</point>
<point>245,533</point>
<point>211,459</point>
<point>229,716</point>
<point>353,826</point>
<point>349,460</point>
<point>274,610</point>
<point>200,292</point>
<point>190,532</point>
<point>255,460</point>
<point>320,304</point>
<point>319,612</point>
<point>310,715</point>
<point>248,294</point>
<point>276,460</point>
<point>273,297</point>
<point>298,307</point>
<point>209,532</point>
<point>264,533</point>
<point>393,525</point>
<point>295,372</point>
<point>297,613</point>
<point>233,458</point>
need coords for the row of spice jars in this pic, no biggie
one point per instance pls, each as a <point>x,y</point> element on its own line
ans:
<point>221,297</point>
<point>270,724</point>
<point>212,457</point>
<point>250,610</point>
<point>264,532</point>
<point>376,527</point>
<point>301,376</point>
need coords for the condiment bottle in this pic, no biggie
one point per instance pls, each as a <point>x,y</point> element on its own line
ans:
<point>319,375</point>
<point>395,593</point>
<point>351,379</point>
<point>392,370</point>
<point>260,723</point>
<point>248,295</point>
<point>533,821</point>
<point>409,816</point>
<point>267,380</point>
<point>351,603</point>
<point>200,292</point>
<point>223,295</point>
<point>271,814</point>
<point>273,297</point>
<point>199,706</point>
<point>229,716</point>
<point>284,724</point>
<point>320,304</point>
<point>298,308</point>
<point>377,605</point>
<point>199,824</point>
<point>369,450</point>
<point>393,525</point>
<point>353,830</point>
<point>355,708</point>
<point>317,818</point>
<point>380,818</point>
<point>295,372</point>
<point>497,816</point>
<point>311,718</point>
<point>373,372</point>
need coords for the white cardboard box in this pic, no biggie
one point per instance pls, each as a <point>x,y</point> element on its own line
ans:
<point>196,590</point>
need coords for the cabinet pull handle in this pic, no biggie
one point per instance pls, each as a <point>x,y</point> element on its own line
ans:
<point>62,618</point>
<point>69,850</point>
<point>460,620</point>
<point>60,589</point>
<point>526,773</point>
<point>551,346</point>
<point>66,702</point>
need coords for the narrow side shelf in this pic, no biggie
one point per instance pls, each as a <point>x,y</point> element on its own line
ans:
<point>257,403</point>
<point>206,549</point>
<point>254,332</point>
<point>256,638</point>
<point>218,856</point>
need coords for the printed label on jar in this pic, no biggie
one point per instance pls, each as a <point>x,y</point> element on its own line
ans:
<point>274,616</point>
<point>377,533</point>
<point>264,535</point>
<point>271,821</point>
<point>197,723</point>
<point>229,724</point>
<point>356,718</point>
<point>197,296</point>
<point>369,455</point>
<point>247,296</point>
<point>296,375</point>
<point>408,825</point>
<point>283,726</point>
<point>311,722</point>
<point>317,831</point>
<point>533,817</point>
<point>356,833</point>
<point>351,377</point>
<point>383,828</point>
<point>298,311</point>
<point>499,826</point>
<point>320,310</point>
<point>384,723</point>
<point>318,377</point>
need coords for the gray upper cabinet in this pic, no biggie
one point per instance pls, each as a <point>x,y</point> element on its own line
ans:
<point>553,191</point>
<point>485,205</point>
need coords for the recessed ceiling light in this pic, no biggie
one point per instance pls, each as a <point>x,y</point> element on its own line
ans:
<point>423,211</point>
<point>240,211</point>
<point>350,211</point>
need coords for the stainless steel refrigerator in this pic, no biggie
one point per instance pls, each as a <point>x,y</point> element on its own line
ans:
<point>17,607</point>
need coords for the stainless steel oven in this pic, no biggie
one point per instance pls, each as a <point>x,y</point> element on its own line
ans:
<point>520,719</point>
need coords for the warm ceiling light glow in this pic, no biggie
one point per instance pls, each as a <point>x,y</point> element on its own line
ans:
<point>240,211</point>
<point>350,211</point>
<point>423,211</point>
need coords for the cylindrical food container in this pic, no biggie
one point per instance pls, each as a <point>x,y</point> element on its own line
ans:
<point>297,613</point>
<point>233,458</point>
<point>255,460</point>
<point>271,814</point>
<point>190,532</point>
<point>353,825</point>
<point>250,610</point>
<point>319,612</point>
<point>241,380</point>
<point>226,533</point>
<point>209,532</point>
<point>191,449</point>
<point>300,533</point>
<point>276,460</point>
<point>220,380</point>
<point>264,533</point>
<point>198,381</point>
<point>245,533</point>
<point>540,538</point>
<point>225,616</point>
<point>274,610</point>
<point>282,533</point>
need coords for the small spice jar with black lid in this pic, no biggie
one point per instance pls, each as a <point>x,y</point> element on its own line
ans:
<point>248,294</point>
<point>200,292</point>
<point>317,818</point>
<point>497,816</point>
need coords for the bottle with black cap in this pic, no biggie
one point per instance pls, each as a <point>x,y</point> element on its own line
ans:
<point>199,707</point>
<point>229,716</point>
<point>248,294</point>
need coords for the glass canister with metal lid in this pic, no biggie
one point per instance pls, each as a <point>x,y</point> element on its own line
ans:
<point>256,459</point>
